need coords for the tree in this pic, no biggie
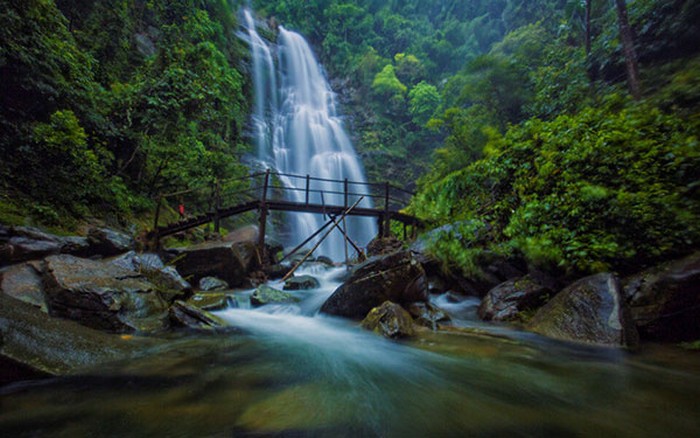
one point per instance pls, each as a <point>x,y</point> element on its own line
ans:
<point>628,48</point>
<point>423,100</point>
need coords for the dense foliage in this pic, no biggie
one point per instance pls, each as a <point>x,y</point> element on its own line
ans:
<point>106,103</point>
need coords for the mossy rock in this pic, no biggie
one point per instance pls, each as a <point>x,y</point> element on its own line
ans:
<point>268,295</point>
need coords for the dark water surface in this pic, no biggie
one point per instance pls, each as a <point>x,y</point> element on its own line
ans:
<point>294,374</point>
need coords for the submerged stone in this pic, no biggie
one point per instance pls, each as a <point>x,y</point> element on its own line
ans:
<point>591,310</point>
<point>427,315</point>
<point>301,282</point>
<point>389,320</point>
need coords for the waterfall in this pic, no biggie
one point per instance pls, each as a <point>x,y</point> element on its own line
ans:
<point>298,132</point>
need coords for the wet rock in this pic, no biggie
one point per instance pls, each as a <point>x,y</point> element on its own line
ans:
<point>591,310</point>
<point>230,262</point>
<point>152,267</point>
<point>267,295</point>
<point>397,277</point>
<point>44,345</point>
<point>325,260</point>
<point>210,301</point>
<point>23,282</point>
<point>507,300</point>
<point>20,244</point>
<point>389,320</point>
<point>301,282</point>
<point>248,233</point>
<point>107,242</point>
<point>274,272</point>
<point>101,295</point>
<point>383,245</point>
<point>207,284</point>
<point>186,315</point>
<point>665,301</point>
<point>427,315</point>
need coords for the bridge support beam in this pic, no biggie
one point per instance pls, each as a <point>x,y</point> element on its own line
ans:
<point>263,220</point>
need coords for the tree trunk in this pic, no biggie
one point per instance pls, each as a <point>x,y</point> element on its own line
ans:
<point>588,29</point>
<point>628,49</point>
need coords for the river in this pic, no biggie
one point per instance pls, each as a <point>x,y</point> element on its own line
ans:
<point>288,371</point>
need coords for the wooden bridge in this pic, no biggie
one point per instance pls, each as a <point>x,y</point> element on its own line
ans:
<point>268,191</point>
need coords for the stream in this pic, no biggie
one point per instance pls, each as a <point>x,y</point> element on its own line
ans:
<point>288,371</point>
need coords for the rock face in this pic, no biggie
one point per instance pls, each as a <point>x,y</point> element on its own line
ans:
<point>301,282</point>
<point>54,346</point>
<point>591,310</point>
<point>267,295</point>
<point>505,301</point>
<point>23,282</point>
<point>101,295</point>
<point>389,320</point>
<point>665,301</point>
<point>397,277</point>
<point>230,262</point>
<point>383,245</point>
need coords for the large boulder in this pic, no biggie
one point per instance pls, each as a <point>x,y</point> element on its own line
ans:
<point>665,301</point>
<point>389,320</point>
<point>34,344</point>
<point>592,310</point>
<point>102,295</point>
<point>24,282</point>
<point>397,277</point>
<point>232,262</point>
<point>265,294</point>
<point>20,244</point>
<point>507,300</point>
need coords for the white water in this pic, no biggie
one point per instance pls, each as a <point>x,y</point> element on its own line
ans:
<point>298,132</point>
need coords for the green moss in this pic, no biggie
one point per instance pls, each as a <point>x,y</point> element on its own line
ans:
<point>693,346</point>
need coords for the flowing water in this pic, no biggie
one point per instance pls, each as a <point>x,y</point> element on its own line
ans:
<point>292,372</point>
<point>298,132</point>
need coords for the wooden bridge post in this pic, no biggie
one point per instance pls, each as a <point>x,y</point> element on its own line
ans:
<point>308,185</point>
<point>386,228</point>
<point>263,219</point>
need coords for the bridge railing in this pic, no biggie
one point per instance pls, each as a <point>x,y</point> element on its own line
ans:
<point>205,202</point>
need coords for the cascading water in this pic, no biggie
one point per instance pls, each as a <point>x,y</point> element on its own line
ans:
<point>298,132</point>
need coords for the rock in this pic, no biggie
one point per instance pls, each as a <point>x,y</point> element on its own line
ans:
<point>665,300</point>
<point>210,301</point>
<point>274,272</point>
<point>152,267</point>
<point>23,282</point>
<point>36,344</point>
<point>427,315</point>
<point>301,282</point>
<point>389,320</point>
<point>20,244</point>
<point>383,245</point>
<point>102,296</point>
<point>107,242</point>
<point>230,262</point>
<point>186,315</point>
<point>397,277</point>
<point>207,284</point>
<point>267,295</point>
<point>325,260</point>
<point>505,301</point>
<point>592,310</point>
